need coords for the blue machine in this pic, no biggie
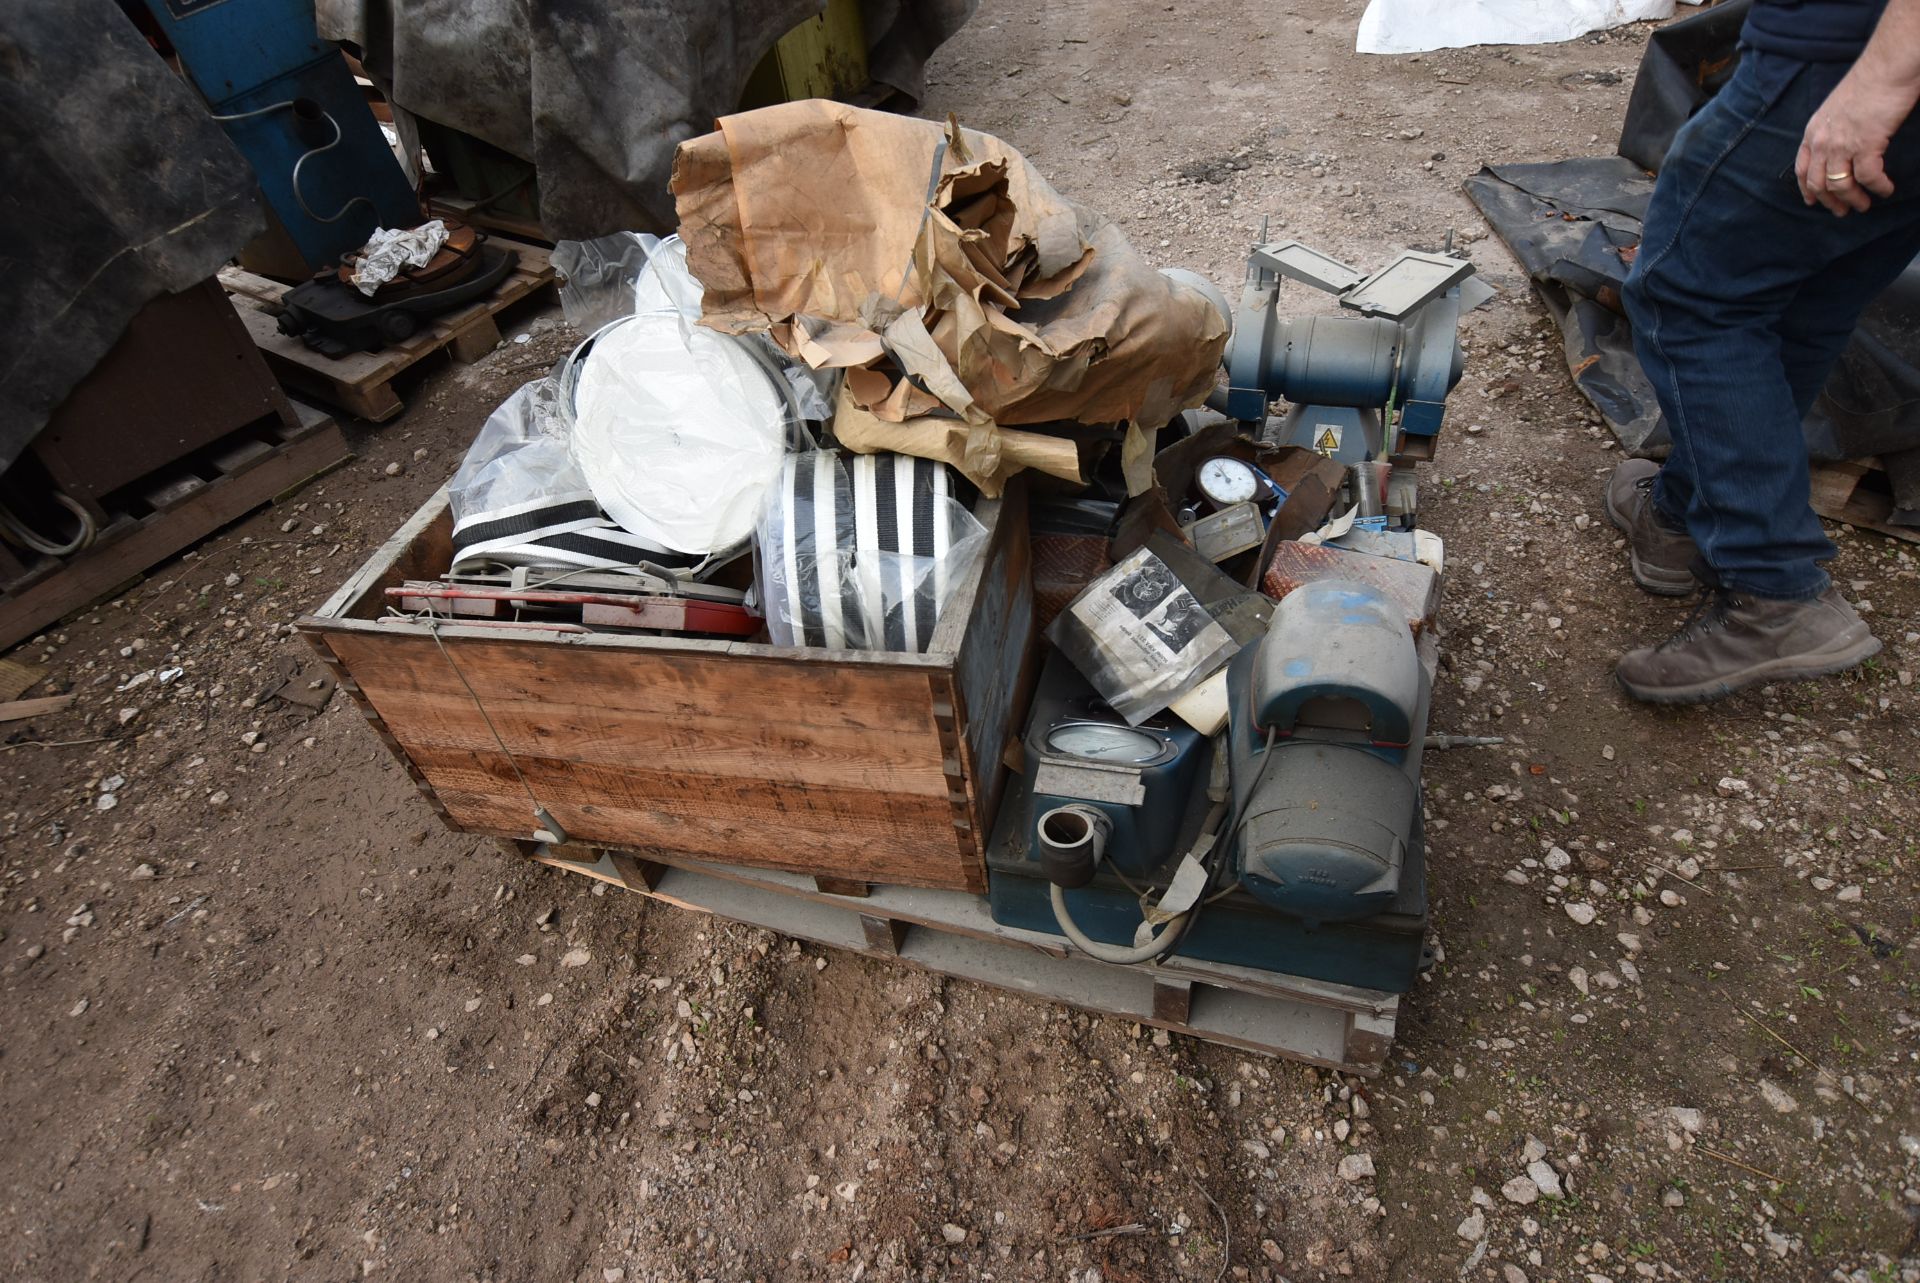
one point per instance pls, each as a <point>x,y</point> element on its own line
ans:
<point>1312,829</point>
<point>288,102</point>
<point>1359,387</point>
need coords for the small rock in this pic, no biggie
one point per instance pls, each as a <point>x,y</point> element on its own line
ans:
<point>1546,1178</point>
<point>846,1190</point>
<point>420,455</point>
<point>80,1007</point>
<point>1847,894</point>
<point>1257,1149</point>
<point>1729,786</point>
<point>1671,898</point>
<point>1689,1120</point>
<point>1556,859</point>
<point>1511,1273</point>
<point>393,469</point>
<point>35,951</point>
<point>953,1233</point>
<point>1580,911</point>
<point>473,1005</point>
<point>217,798</point>
<point>1671,1197</point>
<point>1578,976</point>
<point>106,802</point>
<point>593,1100</point>
<point>1356,1167</point>
<point>1534,1150</point>
<point>1474,1227</point>
<point>232,581</point>
<point>433,1035</point>
<point>1521,1190</point>
<point>613,1274</point>
<point>1628,941</point>
<point>575,958</point>
<point>1271,1250</point>
<point>1776,1096</point>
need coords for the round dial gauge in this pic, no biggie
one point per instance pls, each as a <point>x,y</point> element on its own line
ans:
<point>1103,742</point>
<point>1225,480</point>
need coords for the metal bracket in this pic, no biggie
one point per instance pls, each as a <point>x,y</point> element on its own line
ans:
<point>1406,285</point>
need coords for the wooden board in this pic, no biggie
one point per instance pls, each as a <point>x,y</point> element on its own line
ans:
<point>250,472</point>
<point>855,767</point>
<point>1855,491</point>
<point>20,710</point>
<point>953,933</point>
<point>361,383</point>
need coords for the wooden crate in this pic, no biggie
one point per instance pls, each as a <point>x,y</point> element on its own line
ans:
<point>848,766</point>
<point>362,383</point>
<point>1338,1026</point>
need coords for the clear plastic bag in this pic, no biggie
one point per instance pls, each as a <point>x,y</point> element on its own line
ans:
<point>601,277</point>
<point>861,552</point>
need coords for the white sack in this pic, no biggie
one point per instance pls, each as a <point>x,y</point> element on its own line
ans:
<point>1415,26</point>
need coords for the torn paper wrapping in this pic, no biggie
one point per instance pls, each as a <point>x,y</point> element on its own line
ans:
<point>855,236</point>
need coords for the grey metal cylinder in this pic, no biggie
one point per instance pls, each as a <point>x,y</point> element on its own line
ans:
<point>1334,360</point>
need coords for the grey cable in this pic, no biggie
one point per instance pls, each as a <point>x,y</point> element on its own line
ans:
<point>304,158</point>
<point>540,812</point>
<point>27,537</point>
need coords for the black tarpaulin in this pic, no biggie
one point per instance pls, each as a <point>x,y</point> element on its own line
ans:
<point>118,189</point>
<point>596,94</point>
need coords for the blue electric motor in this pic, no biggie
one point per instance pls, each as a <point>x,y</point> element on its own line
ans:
<point>1327,722</point>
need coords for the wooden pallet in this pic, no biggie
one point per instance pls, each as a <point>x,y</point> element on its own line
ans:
<point>361,383</point>
<point>952,932</point>
<point>179,507</point>
<point>1855,491</point>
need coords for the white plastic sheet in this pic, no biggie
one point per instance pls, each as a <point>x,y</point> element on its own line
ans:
<point>1415,26</point>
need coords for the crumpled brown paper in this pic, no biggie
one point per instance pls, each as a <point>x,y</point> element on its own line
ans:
<point>944,273</point>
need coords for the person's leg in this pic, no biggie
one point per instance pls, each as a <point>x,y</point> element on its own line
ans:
<point>1817,324</point>
<point>1729,251</point>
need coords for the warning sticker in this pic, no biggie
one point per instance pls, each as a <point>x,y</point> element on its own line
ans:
<point>1326,438</point>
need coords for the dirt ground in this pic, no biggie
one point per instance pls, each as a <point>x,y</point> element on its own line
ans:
<point>265,1018</point>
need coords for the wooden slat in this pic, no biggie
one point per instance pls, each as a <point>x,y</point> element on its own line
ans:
<point>20,710</point>
<point>1839,495</point>
<point>127,550</point>
<point>996,664</point>
<point>904,845</point>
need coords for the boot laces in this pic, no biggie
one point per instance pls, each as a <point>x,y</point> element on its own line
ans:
<point>1709,615</point>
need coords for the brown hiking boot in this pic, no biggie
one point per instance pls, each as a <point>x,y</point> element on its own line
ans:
<point>1732,641</point>
<point>1661,559</point>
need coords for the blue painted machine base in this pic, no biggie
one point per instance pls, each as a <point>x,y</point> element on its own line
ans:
<point>1384,952</point>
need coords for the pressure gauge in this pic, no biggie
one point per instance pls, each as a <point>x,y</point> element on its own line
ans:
<point>1225,481</point>
<point>1105,742</point>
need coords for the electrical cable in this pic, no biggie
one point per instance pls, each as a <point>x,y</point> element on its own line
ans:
<point>24,535</point>
<point>298,196</point>
<point>340,213</point>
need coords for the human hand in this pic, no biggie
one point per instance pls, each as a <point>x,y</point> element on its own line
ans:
<point>1843,152</point>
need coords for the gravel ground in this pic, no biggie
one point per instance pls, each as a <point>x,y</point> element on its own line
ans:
<point>267,1019</point>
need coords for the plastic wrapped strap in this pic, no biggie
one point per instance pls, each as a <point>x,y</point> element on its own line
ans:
<point>862,557</point>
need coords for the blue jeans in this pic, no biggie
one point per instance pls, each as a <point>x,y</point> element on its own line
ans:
<point>1741,298</point>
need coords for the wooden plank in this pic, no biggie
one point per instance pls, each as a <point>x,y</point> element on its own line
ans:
<point>651,699</point>
<point>1172,999</point>
<point>884,935</point>
<point>869,838</point>
<point>17,677</point>
<point>20,710</point>
<point>1839,494</point>
<point>124,552</point>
